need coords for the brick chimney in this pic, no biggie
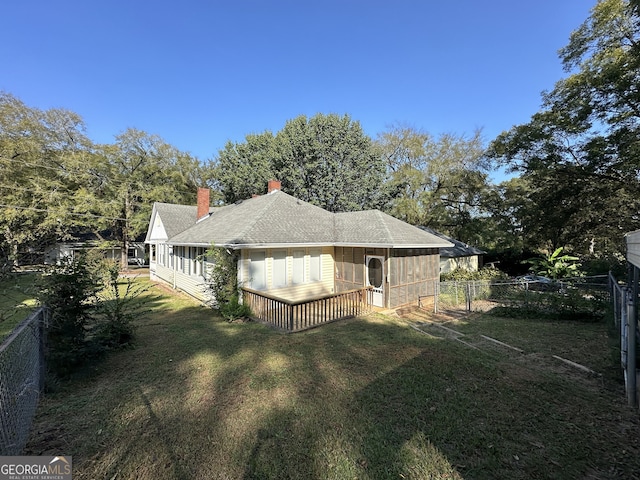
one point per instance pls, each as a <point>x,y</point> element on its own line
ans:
<point>203,203</point>
<point>273,185</point>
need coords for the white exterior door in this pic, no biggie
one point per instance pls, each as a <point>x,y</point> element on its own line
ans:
<point>375,278</point>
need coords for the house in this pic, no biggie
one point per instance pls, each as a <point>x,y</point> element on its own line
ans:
<point>291,252</point>
<point>54,253</point>
<point>459,256</point>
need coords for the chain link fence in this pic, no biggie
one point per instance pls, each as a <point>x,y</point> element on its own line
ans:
<point>21,381</point>
<point>483,295</point>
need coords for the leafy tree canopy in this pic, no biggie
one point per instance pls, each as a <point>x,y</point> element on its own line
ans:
<point>581,151</point>
<point>326,160</point>
<point>437,182</point>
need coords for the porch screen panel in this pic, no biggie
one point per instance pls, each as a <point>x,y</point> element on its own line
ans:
<point>339,264</point>
<point>393,271</point>
<point>409,263</point>
<point>348,264</point>
<point>358,263</point>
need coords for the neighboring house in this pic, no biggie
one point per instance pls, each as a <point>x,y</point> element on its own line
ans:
<point>291,250</point>
<point>459,256</point>
<point>54,254</point>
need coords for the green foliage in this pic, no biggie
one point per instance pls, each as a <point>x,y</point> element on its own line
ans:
<point>486,273</point>
<point>326,160</point>
<point>69,292</point>
<point>580,153</point>
<point>91,311</point>
<point>556,266</point>
<point>223,283</point>
<point>569,304</point>
<point>438,182</point>
<point>232,310</point>
<point>119,304</point>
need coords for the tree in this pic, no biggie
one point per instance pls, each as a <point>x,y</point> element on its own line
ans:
<point>136,171</point>
<point>437,182</point>
<point>327,160</point>
<point>244,169</point>
<point>42,154</point>
<point>582,149</point>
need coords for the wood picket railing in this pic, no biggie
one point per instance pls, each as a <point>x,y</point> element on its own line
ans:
<point>294,316</point>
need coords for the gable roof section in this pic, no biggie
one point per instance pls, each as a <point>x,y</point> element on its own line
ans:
<point>373,227</point>
<point>459,249</point>
<point>272,219</point>
<point>278,219</point>
<point>175,218</point>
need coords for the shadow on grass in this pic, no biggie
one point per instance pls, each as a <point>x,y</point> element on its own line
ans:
<point>366,398</point>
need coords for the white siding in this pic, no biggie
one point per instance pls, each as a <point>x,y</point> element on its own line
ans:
<point>633,248</point>
<point>292,291</point>
<point>469,264</point>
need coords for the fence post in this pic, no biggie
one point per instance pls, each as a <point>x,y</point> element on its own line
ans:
<point>467,294</point>
<point>436,294</point>
<point>631,349</point>
<point>42,332</point>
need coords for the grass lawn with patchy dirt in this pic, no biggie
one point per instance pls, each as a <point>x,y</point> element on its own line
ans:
<point>368,398</point>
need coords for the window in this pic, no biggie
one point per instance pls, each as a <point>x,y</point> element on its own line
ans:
<point>152,253</point>
<point>257,270</point>
<point>315,264</point>
<point>199,259</point>
<point>298,275</point>
<point>279,270</point>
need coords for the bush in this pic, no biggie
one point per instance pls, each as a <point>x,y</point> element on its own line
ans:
<point>486,273</point>
<point>223,283</point>
<point>116,309</point>
<point>569,304</point>
<point>234,310</point>
<point>69,291</point>
<point>90,312</point>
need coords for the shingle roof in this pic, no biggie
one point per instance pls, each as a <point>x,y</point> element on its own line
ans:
<point>176,218</point>
<point>280,219</point>
<point>376,227</point>
<point>459,249</point>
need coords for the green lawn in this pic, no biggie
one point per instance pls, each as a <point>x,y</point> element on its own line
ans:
<point>17,300</point>
<point>368,398</point>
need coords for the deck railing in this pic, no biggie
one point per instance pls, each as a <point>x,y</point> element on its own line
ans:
<point>294,316</point>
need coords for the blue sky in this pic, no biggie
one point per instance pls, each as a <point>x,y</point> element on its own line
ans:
<point>200,73</point>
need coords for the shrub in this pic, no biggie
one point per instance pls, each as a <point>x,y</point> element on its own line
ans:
<point>117,308</point>
<point>486,273</point>
<point>223,283</point>
<point>69,291</point>
<point>90,312</point>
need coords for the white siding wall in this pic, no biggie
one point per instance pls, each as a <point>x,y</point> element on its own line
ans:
<point>293,291</point>
<point>633,248</point>
<point>469,264</point>
<point>173,272</point>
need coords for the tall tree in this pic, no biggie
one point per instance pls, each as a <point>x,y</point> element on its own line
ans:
<point>326,160</point>
<point>582,149</point>
<point>42,153</point>
<point>137,170</point>
<point>243,169</point>
<point>329,161</point>
<point>437,182</point>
